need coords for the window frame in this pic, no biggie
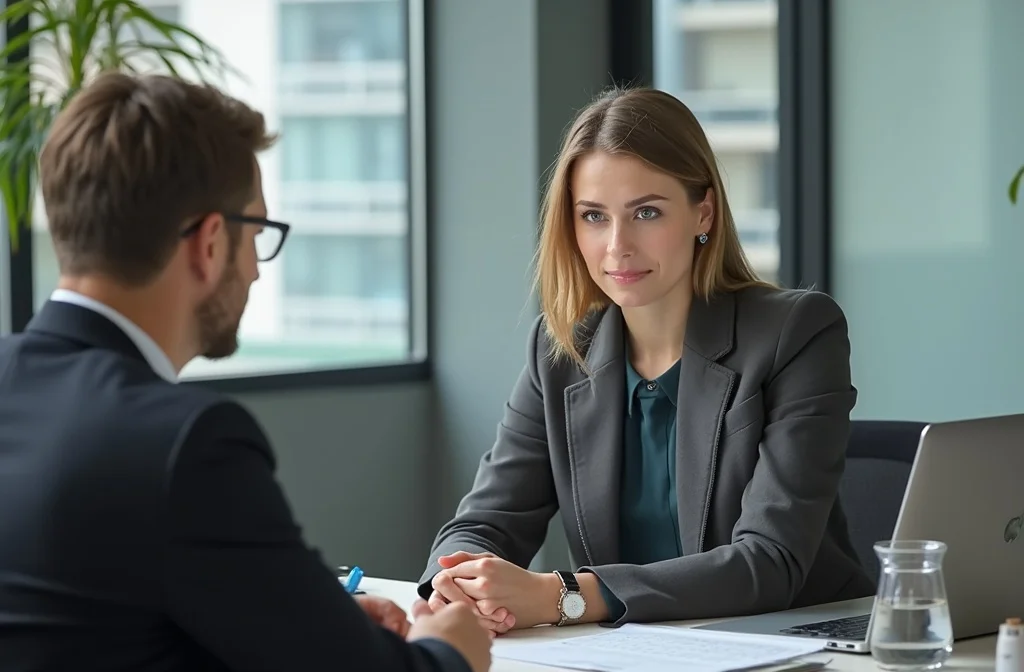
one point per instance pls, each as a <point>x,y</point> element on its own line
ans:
<point>5,253</point>
<point>805,144</point>
<point>804,156</point>
<point>5,277</point>
<point>18,283</point>
<point>415,368</point>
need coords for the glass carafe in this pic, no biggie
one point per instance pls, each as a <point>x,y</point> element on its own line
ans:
<point>911,627</point>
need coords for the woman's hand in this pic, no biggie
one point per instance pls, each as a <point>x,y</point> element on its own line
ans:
<point>498,622</point>
<point>495,584</point>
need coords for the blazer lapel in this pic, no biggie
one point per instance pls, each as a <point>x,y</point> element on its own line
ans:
<point>704,391</point>
<point>594,436</point>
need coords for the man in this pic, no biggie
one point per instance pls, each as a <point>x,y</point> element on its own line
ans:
<point>141,525</point>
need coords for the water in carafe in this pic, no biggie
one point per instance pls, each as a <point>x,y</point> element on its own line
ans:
<point>911,628</point>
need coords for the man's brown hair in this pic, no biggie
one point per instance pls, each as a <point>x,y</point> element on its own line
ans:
<point>131,159</point>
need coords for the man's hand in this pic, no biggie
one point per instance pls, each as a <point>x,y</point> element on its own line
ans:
<point>498,621</point>
<point>385,613</point>
<point>458,626</point>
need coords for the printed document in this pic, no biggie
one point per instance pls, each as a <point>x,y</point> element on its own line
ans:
<point>658,648</point>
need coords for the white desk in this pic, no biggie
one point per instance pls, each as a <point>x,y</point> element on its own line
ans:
<point>972,654</point>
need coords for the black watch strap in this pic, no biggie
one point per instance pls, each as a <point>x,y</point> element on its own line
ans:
<point>569,581</point>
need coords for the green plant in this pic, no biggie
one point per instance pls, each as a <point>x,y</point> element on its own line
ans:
<point>1015,185</point>
<point>72,41</point>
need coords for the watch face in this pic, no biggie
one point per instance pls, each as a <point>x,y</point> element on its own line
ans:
<point>573,605</point>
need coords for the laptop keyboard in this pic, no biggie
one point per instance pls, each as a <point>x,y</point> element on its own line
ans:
<point>852,627</point>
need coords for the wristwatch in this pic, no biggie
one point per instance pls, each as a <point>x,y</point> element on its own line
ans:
<point>571,605</point>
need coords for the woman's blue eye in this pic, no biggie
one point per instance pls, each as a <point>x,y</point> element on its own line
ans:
<point>592,216</point>
<point>647,213</point>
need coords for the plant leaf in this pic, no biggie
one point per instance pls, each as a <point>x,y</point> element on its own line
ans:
<point>178,40</point>
<point>19,10</point>
<point>85,37</point>
<point>1015,185</point>
<point>43,30</point>
<point>7,191</point>
<point>23,137</point>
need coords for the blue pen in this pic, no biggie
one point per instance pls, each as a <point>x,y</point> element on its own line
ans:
<point>354,577</point>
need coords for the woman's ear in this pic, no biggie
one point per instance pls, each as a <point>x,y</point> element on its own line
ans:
<point>707,211</point>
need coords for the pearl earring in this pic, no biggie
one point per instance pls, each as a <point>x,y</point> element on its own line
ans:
<point>702,238</point>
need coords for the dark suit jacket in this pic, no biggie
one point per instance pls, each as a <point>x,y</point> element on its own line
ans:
<point>142,528</point>
<point>762,424</point>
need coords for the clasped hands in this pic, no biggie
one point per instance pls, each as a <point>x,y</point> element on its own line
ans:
<point>502,595</point>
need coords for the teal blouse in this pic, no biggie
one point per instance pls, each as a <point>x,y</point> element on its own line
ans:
<point>648,509</point>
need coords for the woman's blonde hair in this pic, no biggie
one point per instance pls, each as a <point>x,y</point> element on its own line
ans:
<point>660,130</point>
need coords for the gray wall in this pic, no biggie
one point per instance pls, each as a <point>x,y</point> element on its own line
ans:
<point>505,78</point>
<point>483,215</point>
<point>352,463</point>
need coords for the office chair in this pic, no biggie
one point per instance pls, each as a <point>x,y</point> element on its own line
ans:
<point>879,456</point>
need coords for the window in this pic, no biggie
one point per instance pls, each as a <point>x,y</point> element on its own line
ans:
<point>357,266</point>
<point>347,289</point>
<point>926,245</point>
<point>333,77</point>
<point>720,57</point>
<point>170,12</point>
<point>344,32</point>
<point>343,149</point>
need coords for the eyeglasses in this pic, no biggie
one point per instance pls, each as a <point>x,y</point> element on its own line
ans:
<point>269,240</point>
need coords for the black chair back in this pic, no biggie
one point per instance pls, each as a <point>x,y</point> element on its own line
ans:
<point>878,460</point>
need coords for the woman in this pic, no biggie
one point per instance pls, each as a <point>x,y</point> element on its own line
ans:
<point>688,420</point>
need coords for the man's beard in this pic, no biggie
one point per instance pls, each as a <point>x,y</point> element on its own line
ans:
<point>220,315</point>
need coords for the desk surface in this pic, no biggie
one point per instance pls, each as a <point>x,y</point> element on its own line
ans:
<point>972,654</point>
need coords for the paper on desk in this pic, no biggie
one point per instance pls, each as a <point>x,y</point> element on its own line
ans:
<point>656,648</point>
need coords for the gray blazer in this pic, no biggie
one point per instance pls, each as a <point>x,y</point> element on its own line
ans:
<point>764,416</point>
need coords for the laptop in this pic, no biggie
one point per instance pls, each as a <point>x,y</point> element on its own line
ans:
<point>966,488</point>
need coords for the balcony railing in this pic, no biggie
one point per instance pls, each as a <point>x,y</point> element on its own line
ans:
<point>346,207</point>
<point>372,87</point>
<point>759,235</point>
<point>370,77</point>
<point>757,227</point>
<point>366,196</point>
<point>726,14</point>
<point>733,106</point>
<point>346,320</point>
